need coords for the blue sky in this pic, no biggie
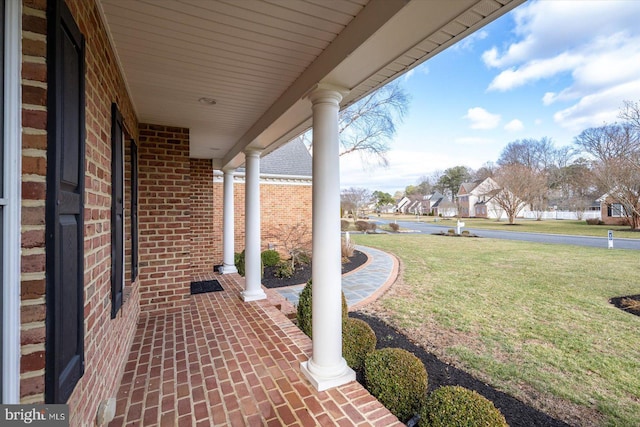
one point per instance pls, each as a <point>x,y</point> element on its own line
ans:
<point>547,69</point>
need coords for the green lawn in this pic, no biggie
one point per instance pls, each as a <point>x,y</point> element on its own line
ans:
<point>525,316</point>
<point>576,228</point>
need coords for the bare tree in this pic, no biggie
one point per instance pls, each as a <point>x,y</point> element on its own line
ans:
<point>519,186</point>
<point>616,165</point>
<point>486,171</point>
<point>356,200</point>
<point>368,126</point>
<point>536,154</point>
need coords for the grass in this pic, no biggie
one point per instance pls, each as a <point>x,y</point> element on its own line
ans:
<point>525,316</point>
<point>569,227</point>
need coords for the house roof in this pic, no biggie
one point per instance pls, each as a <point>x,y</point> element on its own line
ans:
<point>290,159</point>
<point>237,74</point>
<point>468,187</point>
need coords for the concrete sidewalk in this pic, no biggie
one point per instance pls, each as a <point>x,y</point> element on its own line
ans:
<point>362,285</point>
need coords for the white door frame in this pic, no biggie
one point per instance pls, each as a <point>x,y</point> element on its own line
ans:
<point>11,221</point>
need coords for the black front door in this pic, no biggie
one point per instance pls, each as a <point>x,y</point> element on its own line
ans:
<point>64,205</point>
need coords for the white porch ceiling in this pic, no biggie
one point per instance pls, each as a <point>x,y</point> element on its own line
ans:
<point>258,59</point>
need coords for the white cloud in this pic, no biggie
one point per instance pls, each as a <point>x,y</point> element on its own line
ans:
<point>482,119</point>
<point>421,69</point>
<point>468,42</point>
<point>472,140</point>
<point>514,126</point>
<point>598,108</point>
<point>549,98</point>
<point>548,28</point>
<point>590,50</point>
<point>534,70</point>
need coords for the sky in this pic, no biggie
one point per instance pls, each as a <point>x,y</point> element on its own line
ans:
<point>548,68</point>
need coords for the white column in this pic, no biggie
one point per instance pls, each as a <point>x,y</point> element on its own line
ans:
<point>252,268</point>
<point>10,322</point>
<point>228,230</point>
<point>326,368</point>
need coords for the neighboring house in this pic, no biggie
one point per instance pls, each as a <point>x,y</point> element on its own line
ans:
<point>403,205</point>
<point>116,114</point>
<point>475,199</point>
<point>612,212</point>
<point>438,204</point>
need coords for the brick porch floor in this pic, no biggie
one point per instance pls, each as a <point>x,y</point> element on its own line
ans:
<point>220,361</point>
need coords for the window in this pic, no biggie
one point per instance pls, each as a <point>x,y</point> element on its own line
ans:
<point>117,211</point>
<point>616,210</point>
<point>131,211</point>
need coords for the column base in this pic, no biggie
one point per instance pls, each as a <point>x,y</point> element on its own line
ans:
<point>321,383</point>
<point>227,269</point>
<point>253,296</point>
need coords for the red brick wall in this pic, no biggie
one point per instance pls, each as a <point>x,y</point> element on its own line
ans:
<point>281,204</point>
<point>204,236</point>
<point>34,170</point>
<point>164,217</point>
<point>107,341</point>
<point>609,220</point>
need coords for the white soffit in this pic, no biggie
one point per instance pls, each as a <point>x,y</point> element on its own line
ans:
<point>257,59</point>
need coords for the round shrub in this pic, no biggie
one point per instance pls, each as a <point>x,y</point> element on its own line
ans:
<point>239,262</point>
<point>358,340</point>
<point>270,258</point>
<point>304,310</point>
<point>454,406</point>
<point>344,225</point>
<point>362,225</point>
<point>394,226</point>
<point>397,379</point>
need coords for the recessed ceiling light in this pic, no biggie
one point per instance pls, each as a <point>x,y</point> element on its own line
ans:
<point>207,101</point>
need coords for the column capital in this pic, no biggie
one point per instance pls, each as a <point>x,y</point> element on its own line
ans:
<point>228,170</point>
<point>252,152</point>
<point>326,91</point>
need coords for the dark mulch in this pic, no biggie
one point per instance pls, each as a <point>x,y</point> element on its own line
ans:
<point>442,233</point>
<point>516,412</point>
<point>303,272</point>
<point>623,303</point>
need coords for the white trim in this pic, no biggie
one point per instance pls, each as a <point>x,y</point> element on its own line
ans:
<point>13,167</point>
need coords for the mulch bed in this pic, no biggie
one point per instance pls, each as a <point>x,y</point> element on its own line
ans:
<point>439,373</point>
<point>623,303</point>
<point>302,274</point>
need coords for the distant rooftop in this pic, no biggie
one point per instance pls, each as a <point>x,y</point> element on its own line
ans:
<point>292,159</point>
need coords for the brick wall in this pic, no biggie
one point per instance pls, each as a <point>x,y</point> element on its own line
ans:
<point>203,233</point>
<point>107,341</point>
<point>34,171</point>
<point>164,217</point>
<point>281,204</point>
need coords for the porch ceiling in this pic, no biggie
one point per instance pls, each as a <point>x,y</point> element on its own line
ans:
<point>258,59</point>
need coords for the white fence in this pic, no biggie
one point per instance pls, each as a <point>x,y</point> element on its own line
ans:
<point>562,215</point>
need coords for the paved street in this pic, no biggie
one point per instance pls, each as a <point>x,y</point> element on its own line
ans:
<point>599,242</point>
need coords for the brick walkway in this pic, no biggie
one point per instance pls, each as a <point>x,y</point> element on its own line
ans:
<point>220,361</point>
<point>362,285</point>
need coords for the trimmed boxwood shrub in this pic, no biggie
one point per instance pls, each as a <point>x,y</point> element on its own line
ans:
<point>455,406</point>
<point>239,262</point>
<point>304,310</point>
<point>362,225</point>
<point>358,340</point>
<point>394,226</point>
<point>398,379</point>
<point>270,258</point>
